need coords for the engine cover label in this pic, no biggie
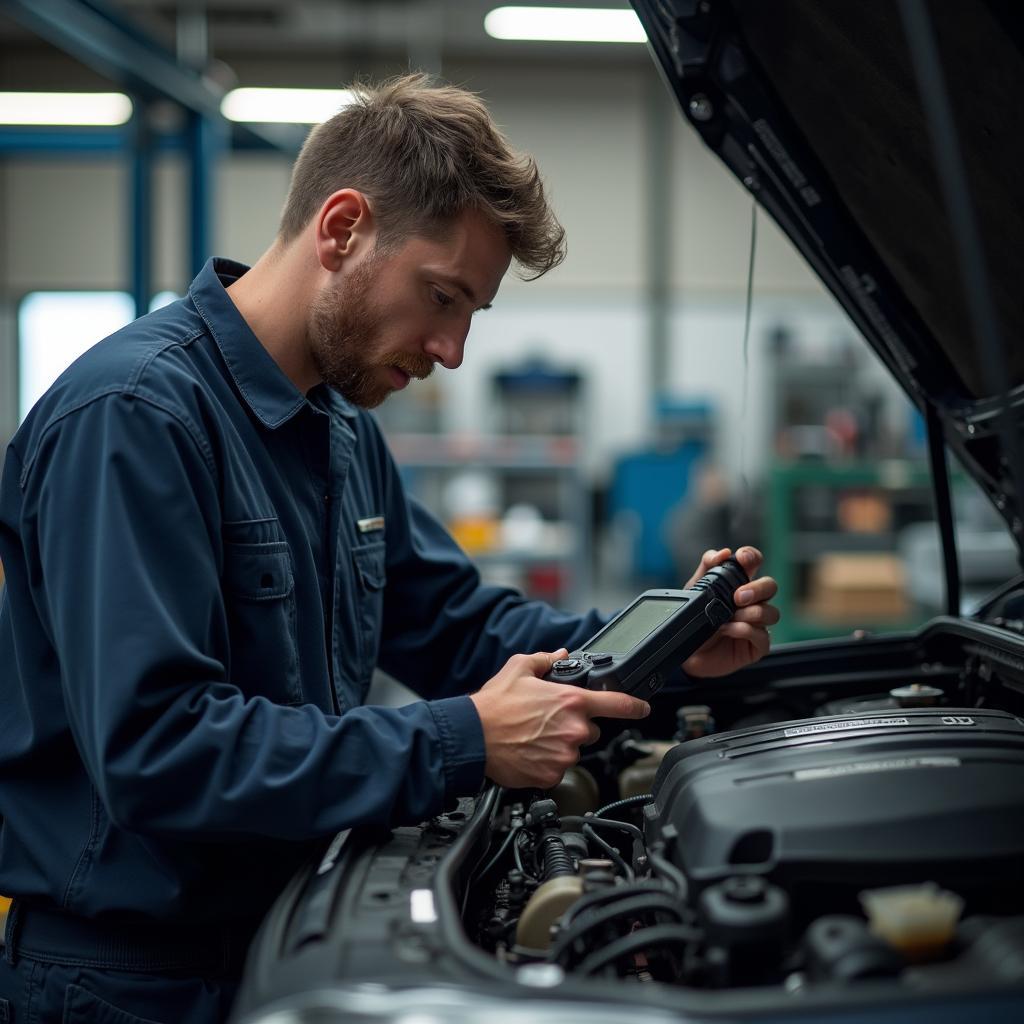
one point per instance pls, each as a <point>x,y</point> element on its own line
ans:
<point>861,767</point>
<point>855,723</point>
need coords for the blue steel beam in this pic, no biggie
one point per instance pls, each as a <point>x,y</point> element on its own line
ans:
<point>27,140</point>
<point>141,208</point>
<point>204,141</point>
<point>16,140</point>
<point>102,40</point>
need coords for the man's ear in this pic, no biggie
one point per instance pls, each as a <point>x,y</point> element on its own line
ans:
<point>344,225</point>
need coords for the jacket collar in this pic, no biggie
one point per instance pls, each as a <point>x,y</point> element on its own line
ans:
<point>263,385</point>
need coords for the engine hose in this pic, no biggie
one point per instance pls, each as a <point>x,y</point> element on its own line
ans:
<point>655,937</point>
<point>629,801</point>
<point>610,851</point>
<point>509,839</point>
<point>556,858</point>
<point>575,821</point>
<point>592,900</point>
<point>670,872</point>
<point>626,911</point>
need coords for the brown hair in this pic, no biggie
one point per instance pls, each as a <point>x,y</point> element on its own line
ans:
<point>423,154</point>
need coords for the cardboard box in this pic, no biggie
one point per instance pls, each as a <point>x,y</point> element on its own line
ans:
<point>854,588</point>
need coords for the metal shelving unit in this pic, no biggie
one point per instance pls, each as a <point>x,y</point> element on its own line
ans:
<point>552,462</point>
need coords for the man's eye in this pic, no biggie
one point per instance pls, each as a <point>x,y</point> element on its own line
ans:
<point>441,298</point>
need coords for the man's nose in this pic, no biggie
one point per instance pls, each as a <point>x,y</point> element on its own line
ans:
<point>448,347</point>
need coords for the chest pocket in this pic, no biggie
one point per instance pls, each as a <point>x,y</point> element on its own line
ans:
<point>259,591</point>
<point>369,565</point>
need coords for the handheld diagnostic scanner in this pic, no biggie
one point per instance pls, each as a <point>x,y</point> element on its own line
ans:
<point>653,635</point>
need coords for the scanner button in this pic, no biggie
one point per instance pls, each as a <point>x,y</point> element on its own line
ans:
<point>599,659</point>
<point>718,614</point>
<point>567,665</point>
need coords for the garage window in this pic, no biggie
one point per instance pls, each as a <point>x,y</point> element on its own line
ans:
<point>55,328</point>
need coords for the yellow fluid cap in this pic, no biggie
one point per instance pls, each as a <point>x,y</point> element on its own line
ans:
<point>918,920</point>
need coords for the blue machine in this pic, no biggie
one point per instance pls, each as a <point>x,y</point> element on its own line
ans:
<point>647,485</point>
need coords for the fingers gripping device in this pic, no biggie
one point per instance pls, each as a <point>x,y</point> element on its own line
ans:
<point>652,636</point>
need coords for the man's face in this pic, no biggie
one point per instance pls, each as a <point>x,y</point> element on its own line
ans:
<point>394,315</point>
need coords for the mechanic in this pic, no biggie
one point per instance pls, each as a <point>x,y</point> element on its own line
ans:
<point>208,550</point>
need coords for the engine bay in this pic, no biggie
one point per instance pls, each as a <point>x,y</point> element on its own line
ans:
<point>838,826</point>
<point>881,837</point>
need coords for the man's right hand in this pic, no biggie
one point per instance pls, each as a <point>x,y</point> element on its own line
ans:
<point>533,728</point>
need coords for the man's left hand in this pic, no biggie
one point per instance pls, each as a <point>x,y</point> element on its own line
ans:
<point>744,638</point>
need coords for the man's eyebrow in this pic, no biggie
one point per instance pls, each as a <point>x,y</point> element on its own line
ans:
<point>456,282</point>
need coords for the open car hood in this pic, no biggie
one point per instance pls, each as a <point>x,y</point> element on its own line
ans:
<point>815,108</point>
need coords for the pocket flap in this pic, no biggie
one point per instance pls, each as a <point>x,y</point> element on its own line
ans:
<point>370,564</point>
<point>258,572</point>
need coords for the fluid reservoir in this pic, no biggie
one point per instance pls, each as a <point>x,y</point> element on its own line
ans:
<point>577,794</point>
<point>548,903</point>
<point>918,920</point>
<point>692,722</point>
<point>638,778</point>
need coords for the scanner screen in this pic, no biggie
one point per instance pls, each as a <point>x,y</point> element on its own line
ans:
<point>635,625</point>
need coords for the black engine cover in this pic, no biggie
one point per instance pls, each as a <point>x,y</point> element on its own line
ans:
<point>827,806</point>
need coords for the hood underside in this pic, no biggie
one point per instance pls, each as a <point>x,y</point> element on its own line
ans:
<point>816,109</point>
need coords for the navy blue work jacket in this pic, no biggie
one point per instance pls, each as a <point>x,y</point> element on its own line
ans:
<point>203,566</point>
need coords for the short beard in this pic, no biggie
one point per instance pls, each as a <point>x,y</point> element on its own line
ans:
<point>344,330</point>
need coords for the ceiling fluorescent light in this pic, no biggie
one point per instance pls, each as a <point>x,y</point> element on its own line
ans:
<point>565,24</point>
<point>64,108</point>
<point>284,106</point>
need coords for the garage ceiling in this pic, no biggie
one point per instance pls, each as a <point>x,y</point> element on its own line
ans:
<point>312,42</point>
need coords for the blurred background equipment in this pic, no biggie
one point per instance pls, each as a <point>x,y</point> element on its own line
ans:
<point>536,397</point>
<point>648,485</point>
<point>513,496</point>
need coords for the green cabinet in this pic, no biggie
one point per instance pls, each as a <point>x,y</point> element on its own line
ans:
<point>819,514</point>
